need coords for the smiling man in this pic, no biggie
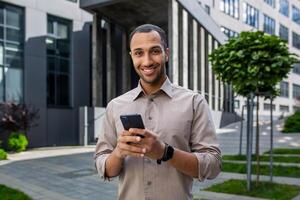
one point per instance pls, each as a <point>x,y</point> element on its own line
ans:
<point>179,141</point>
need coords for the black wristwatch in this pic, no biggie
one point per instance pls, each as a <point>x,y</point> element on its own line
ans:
<point>168,154</point>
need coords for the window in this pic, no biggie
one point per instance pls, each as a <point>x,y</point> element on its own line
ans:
<point>228,32</point>
<point>284,7</point>
<point>230,7</point>
<point>284,89</point>
<point>296,108</point>
<point>250,15</point>
<point>75,1</point>
<point>58,61</point>
<point>11,53</point>
<point>296,91</point>
<point>296,14</point>
<point>267,106</point>
<point>296,68</point>
<point>270,2</point>
<point>269,25</point>
<point>284,108</point>
<point>207,9</point>
<point>296,40</point>
<point>284,32</point>
<point>236,104</point>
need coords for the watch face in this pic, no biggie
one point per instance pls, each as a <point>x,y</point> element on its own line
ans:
<point>170,152</point>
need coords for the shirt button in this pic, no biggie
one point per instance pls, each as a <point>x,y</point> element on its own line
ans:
<point>150,118</point>
<point>149,183</point>
<point>151,99</point>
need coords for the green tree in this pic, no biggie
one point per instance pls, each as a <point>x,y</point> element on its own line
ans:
<point>253,63</point>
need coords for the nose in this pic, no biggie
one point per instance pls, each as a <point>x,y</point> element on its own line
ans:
<point>147,60</point>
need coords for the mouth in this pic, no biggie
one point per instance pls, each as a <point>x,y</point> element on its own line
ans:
<point>148,71</point>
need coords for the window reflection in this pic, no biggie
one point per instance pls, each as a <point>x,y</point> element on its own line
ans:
<point>230,7</point>
<point>250,15</point>
<point>296,14</point>
<point>58,61</point>
<point>11,52</point>
<point>284,7</point>
<point>269,25</point>
<point>284,33</point>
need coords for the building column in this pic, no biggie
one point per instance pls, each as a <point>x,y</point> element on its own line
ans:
<point>185,49</point>
<point>195,56</point>
<point>173,42</point>
<point>97,75</point>
<point>210,76</point>
<point>202,67</point>
<point>125,64</point>
<point>217,92</point>
<point>111,62</point>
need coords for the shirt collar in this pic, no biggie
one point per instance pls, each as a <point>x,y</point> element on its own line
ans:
<point>166,88</point>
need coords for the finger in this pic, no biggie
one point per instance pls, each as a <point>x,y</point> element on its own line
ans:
<point>136,131</point>
<point>130,138</point>
<point>132,148</point>
<point>123,133</point>
<point>143,132</point>
<point>129,153</point>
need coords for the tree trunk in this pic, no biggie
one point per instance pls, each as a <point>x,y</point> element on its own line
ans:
<point>257,142</point>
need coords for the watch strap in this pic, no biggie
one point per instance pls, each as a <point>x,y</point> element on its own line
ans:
<point>168,154</point>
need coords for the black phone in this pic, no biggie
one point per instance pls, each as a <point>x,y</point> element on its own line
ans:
<point>132,121</point>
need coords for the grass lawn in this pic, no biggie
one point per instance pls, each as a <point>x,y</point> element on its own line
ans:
<point>285,151</point>
<point>7,193</point>
<point>264,190</point>
<point>265,158</point>
<point>279,170</point>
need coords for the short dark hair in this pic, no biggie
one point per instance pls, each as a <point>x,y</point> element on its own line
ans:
<point>146,28</point>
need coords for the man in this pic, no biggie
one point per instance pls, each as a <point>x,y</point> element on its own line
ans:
<point>179,142</point>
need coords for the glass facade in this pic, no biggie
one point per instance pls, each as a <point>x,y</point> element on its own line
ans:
<point>296,40</point>
<point>296,68</point>
<point>284,7</point>
<point>283,108</point>
<point>284,89</point>
<point>283,32</point>
<point>11,52</point>
<point>230,7</point>
<point>230,33</point>
<point>58,43</point>
<point>267,106</point>
<point>250,15</point>
<point>296,14</point>
<point>270,2</point>
<point>269,25</point>
<point>296,91</point>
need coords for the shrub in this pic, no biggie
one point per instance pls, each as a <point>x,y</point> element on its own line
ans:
<point>17,142</point>
<point>292,123</point>
<point>3,155</point>
<point>17,116</point>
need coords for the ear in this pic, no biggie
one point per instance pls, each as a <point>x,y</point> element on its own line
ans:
<point>167,54</point>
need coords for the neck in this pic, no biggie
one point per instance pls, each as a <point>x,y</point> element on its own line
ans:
<point>151,88</point>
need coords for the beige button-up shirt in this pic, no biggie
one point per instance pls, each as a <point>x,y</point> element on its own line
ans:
<point>182,119</point>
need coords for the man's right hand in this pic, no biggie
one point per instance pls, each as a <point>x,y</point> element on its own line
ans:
<point>127,145</point>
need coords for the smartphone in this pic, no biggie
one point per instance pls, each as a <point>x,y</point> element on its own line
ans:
<point>132,121</point>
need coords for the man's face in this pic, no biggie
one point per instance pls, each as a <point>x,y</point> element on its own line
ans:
<point>149,57</point>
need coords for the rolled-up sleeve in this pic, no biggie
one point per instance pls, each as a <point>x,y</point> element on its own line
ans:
<point>107,141</point>
<point>204,143</point>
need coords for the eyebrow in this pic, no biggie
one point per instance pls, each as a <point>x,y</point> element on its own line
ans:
<point>138,49</point>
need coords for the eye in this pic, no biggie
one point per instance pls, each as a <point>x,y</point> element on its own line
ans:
<point>156,51</point>
<point>138,53</point>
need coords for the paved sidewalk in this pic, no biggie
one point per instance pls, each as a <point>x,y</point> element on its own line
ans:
<point>68,172</point>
